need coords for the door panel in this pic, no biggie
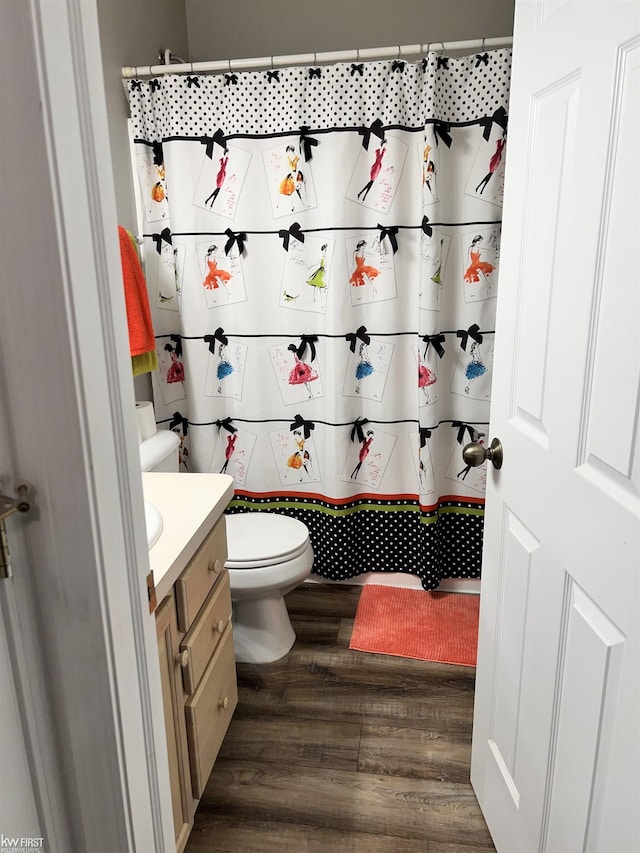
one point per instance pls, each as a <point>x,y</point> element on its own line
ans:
<point>590,660</point>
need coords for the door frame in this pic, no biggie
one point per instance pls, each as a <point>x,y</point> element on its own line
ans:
<point>84,644</point>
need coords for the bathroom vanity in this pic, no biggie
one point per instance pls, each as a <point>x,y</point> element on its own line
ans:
<point>193,622</point>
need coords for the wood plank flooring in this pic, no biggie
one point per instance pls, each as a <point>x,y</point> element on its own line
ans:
<point>333,749</point>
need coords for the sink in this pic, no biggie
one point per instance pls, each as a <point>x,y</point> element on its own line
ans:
<point>153,521</point>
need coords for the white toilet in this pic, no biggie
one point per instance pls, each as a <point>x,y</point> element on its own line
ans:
<point>268,556</point>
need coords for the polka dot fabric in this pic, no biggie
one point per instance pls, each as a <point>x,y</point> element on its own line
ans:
<point>321,249</point>
<point>253,103</point>
<point>375,541</point>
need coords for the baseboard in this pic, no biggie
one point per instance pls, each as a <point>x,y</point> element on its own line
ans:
<point>464,585</point>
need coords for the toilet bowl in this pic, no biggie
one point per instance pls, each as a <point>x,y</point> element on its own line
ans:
<point>268,556</point>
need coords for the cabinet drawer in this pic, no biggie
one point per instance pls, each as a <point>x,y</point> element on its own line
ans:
<point>195,583</point>
<point>206,632</point>
<point>209,711</point>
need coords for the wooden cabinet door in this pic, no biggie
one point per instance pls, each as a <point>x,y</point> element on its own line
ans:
<point>173,702</point>
<point>208,712</point>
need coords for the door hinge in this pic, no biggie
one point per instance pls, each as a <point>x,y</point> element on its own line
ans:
<point>151,592</point>
<point>22,503</point>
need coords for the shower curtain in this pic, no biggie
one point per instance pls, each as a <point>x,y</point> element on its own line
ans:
<point>322,248</point>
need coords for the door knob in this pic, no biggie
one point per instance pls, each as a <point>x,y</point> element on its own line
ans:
<point>474,454</point>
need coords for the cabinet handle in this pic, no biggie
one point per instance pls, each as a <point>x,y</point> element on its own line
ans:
<point>223,704</point>
<point>219,626</point>
<point>183,658</point>
<point>215,567</point>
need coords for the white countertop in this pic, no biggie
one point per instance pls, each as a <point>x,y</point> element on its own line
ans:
<point>190,504</point>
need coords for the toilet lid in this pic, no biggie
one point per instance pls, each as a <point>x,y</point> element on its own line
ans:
<point>257,539</point>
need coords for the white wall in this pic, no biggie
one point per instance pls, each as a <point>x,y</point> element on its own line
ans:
<point>228,29</point>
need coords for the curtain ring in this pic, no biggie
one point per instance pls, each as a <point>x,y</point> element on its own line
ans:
<point>484,38</point>
<point>315,60</point>
<point>398,56</point>
<point>357,54</point>
<point>272,63</point>
<point>442,49</point>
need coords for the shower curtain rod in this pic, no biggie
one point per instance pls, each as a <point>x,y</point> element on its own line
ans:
<point>395,52</point>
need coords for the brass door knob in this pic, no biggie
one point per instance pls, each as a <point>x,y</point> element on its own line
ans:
<point>474,454</point>
<point>223,704</point>
<point>183,658</point>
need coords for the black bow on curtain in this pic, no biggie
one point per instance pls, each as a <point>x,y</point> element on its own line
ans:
<point>389,232</point>
<point>398,65</point>
<point>436,342</point>
<point>472,332</point>
<point>219,336</point>
<point>306,341</point>
<point>305,426</point>
<point>424,435</point>
<point>235,237</point>
<point>293,231</point>
<point>357,430</point>
<point>179,420</point>
<point>441,129</point>
<point>165,235</point>
<point>158,156</point>
<point>193,81</point>
<point>218,138</point>
<point>443,62</point>
<point>273,75</point>
<point>482,57</point>
<point>230,78</point>
<point>155,84</point>
<point>307,143</point>
<point>359,335</point>
<point>357,68</point>
<point>462,428</point>
<point>376,129</point>
<point>177,344</point>
<point>499,117</point>
<point>136,85</point>
<point>226,424</point>
<point>314,72</point>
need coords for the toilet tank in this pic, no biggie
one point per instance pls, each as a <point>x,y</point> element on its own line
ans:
<point>159,452</point>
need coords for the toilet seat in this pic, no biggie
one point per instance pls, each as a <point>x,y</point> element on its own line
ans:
<point>259,539</point>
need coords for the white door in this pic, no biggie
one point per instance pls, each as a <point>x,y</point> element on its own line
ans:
<point>556,749</point>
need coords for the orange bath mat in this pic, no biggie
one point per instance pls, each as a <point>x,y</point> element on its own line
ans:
<point>413,623</point>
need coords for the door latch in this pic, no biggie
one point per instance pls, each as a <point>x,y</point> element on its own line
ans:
<point>21,503</point>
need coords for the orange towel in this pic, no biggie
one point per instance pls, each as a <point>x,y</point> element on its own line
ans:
<point>141,334</point>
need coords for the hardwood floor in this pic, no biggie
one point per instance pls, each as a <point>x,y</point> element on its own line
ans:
<point>333,749</point>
